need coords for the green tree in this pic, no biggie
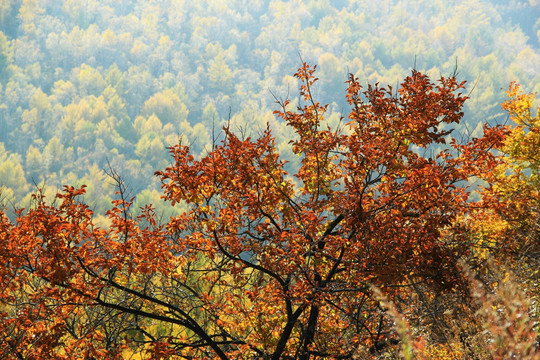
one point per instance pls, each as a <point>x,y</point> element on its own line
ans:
<point>99,190</point>
<point>12,174</point>
<point>150,149</point>
<point>6,58</point>
<point>220,75</point>
<point>76,121</point>
<point>37,120</point>
<point>89,80</point>
<point>167,106</point>
<point>138,88</point>
<point>64,92</point>
<point>29,12</point>
<point>35,166</point>
<point>210,117</point>
<point>150,125</point>
<point>55,155</point>
<point>332,74</point>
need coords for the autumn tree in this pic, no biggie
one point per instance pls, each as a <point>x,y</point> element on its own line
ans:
<point>265,263</point>
<point>507,221</point>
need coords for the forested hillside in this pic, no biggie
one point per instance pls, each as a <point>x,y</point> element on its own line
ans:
<point>84,83</point>
<point>269,180</point>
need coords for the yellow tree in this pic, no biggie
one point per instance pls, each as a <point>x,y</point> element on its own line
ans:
<point>509,222</point>
<point>506,227</point>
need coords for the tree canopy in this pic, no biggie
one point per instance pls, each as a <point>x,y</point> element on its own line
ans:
<point>88,72</point>
<point>270,260</point>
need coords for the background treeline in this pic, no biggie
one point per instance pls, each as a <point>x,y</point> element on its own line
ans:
<point>84,83</point>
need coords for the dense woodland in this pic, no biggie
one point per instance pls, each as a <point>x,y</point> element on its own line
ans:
<point>88,82</point>
<point>269,179</point>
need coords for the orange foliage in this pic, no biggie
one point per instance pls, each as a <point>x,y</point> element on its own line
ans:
<point>265,263</point>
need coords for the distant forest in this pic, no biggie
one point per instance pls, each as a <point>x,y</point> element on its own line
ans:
<point>90,86</point>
